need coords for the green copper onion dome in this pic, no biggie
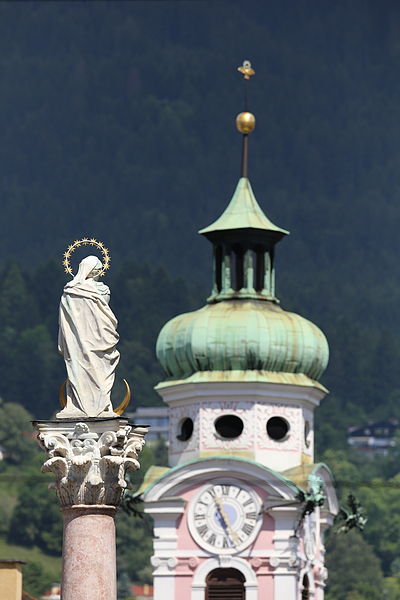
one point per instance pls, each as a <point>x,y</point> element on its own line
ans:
<point>241,335</point>
<point>242,327</point>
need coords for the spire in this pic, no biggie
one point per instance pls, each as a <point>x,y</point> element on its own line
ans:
<point>245,121</point>
<point>243,237</point>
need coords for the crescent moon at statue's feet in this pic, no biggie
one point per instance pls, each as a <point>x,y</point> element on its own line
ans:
<point>125,402</point>
<point>61,394</point>
<point>119,410</point>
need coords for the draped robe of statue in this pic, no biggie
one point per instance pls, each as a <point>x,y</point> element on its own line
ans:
<point>87,339</point>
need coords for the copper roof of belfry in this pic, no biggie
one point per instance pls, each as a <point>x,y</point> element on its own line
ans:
<point>243,212</point>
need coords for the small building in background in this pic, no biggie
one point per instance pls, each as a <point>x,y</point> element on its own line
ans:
<point>142,592</point>
<point>54,593</point>
<point>374,439</point>
<point>11,580</point>
<point>156,417</point>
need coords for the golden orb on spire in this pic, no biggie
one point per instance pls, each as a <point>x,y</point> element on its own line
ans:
<point>245,122</point>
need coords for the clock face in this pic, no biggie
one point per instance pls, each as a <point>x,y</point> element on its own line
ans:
<point>224,518</point>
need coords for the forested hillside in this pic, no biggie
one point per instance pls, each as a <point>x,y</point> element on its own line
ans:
<point>117,121</point>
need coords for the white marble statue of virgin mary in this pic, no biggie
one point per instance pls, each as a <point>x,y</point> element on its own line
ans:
<point>87,339</point>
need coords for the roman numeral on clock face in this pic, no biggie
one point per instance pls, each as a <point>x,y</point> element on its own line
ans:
<point>251,515</point>
<point>202,530</point>
<point>247,529</point>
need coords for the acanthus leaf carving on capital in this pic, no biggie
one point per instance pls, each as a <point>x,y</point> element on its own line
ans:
<point>89,465</point>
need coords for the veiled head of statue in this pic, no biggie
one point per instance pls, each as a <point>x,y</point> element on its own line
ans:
<point>89,268</point>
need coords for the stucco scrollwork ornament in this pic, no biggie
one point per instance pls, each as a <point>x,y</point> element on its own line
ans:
<point>163,563</point>
<point>294,561</point>
<point>274,562</point>
<point>323,574</point>
<point>310,536</point>
<point>89,465</point>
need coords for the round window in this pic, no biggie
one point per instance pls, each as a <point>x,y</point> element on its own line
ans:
<point>229,426</point>
<point>277,428</point>
<point>185,430</point>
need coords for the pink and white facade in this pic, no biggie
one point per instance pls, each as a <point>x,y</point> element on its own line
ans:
<point>263,536</point>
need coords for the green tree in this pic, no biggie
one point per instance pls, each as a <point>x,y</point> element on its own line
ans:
<point>354,569</point>
<point>36,519</point>
<point>381,499</point>
<point>124,586</point>
<point>36,580</point>
<point>134,547</point>
<point>16,434</point>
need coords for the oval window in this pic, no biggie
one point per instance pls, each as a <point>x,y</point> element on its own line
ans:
<point>277,428</point>
<point>229,426</point>
<point>186,430</point>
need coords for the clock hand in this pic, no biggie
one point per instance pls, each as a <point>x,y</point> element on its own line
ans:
<point>226,520</point>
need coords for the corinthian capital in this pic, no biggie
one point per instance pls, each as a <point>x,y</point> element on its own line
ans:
<point>90,458</point>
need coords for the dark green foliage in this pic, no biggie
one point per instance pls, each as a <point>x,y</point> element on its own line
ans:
<point>124,586</point>
<point>354,570</point>
<point>36,580</point>
<point>36,520</point>
<point>16,434</point>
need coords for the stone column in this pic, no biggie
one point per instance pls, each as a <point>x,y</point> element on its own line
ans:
<point>89,459</point>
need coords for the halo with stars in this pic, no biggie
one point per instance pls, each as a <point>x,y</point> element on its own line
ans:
<point>86,242</point>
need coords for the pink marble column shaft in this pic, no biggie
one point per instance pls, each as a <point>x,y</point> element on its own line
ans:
<point>89,559</point>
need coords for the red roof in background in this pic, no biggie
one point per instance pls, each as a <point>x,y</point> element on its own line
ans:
<point>143,590</point>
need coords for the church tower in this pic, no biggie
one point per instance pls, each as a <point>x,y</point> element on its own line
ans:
<point>241,511</point>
